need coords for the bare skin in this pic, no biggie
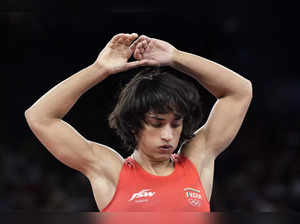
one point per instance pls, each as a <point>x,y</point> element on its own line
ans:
<point>101,164</point>
<point>161,129</point>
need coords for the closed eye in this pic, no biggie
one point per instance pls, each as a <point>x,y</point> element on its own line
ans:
<point>158,125</point>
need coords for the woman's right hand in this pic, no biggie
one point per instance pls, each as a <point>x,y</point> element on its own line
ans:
<point>114,57</point>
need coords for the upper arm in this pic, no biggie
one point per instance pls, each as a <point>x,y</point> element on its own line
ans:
<point>221,127</point>
<point>72,149</point>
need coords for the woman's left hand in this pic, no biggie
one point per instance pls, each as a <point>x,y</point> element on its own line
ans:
<point>155,52</point>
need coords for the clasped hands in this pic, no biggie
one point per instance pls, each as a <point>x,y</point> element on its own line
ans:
<point>147,52</point>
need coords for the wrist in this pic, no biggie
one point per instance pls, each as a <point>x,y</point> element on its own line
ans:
<point>175,57</point>
<point>101,69</point>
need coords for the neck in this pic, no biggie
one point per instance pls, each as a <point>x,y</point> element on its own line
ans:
<point>153,166</point>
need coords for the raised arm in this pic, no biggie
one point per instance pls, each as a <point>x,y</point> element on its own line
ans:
<point>233,93</point>
<point>45,116</point>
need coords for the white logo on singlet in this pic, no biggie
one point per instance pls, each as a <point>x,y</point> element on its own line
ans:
<point>142,194</point>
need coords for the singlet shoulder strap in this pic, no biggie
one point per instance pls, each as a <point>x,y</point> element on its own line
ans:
<point>129,162</point>
<point>178,158</point>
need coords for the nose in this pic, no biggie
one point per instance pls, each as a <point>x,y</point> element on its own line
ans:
<point>167,133</point>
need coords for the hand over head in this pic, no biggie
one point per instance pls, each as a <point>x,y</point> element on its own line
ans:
<point>147,51</point>
<point>155,52</point>
<point>114,57</point>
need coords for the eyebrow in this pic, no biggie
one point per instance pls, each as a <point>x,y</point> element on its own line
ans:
<point>177,117</point>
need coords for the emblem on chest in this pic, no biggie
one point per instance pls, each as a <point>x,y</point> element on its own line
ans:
<point>193,196</point>
<point>142,196</point>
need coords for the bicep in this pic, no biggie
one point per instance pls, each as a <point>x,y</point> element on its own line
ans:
<point>223,123</point>
<point>221,127</point>
<point>74,150</point>
<point>63,141</point>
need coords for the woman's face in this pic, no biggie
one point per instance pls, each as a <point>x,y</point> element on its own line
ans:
<point>160,136</point>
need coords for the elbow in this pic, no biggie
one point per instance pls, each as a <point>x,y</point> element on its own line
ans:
<point>244,89</point>
<point>244,92</point>
<point>240,89</point>
<point>248,89</point>
<point>36,119</point>
<point>29,116</point>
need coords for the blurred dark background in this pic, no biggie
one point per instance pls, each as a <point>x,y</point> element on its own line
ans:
<point>44,42</point>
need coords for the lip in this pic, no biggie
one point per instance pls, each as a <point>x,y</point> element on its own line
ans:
<point>166,147</point>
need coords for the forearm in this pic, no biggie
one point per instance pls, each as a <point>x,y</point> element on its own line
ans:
<point>59,100</point>
<point>217,79</point>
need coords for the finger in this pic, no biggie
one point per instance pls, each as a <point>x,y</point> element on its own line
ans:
<point>148,62</point>
<point>139,40</point>
<point>122,39</point>
<point>137,55</point>
<point>145,38</point>
<point>141,47</point>
<point>135,64</point>
<point>138,51</point>
<point>144,44</point>
<point>125,39</point>
<point>134,44</point>
<point>117,37</point>
<point>131,38</point>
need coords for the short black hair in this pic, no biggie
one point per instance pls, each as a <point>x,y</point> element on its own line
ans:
<point>158,90</point>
